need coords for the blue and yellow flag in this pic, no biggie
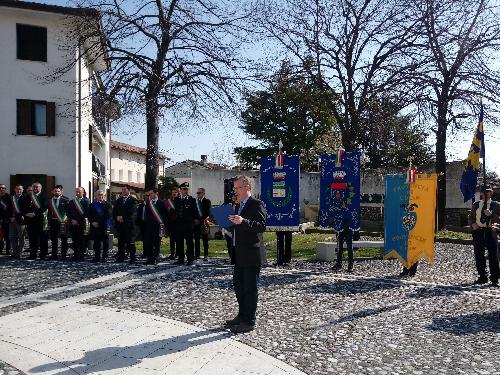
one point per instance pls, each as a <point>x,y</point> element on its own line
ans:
<point>471,165</point>
<point>410,218</point>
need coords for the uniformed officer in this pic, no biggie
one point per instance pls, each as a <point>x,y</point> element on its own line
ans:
<point>154,219</point>
<point>124,215</point>
<point>99,215</point>
<point>186,213</point>
<point>36,221</point>
<point>77,219</point>
<point>4,219</point>
<point>57,207</point>
<point>484,219</point>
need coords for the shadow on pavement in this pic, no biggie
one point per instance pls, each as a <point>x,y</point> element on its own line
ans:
<point>468,324</point>
<point>356,286</point>
<point>112,358</point>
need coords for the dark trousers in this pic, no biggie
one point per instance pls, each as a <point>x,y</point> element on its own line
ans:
<point>38,240</point>
<point>5,243</point>
<point>55,233</point>
<point>78,239</point>
<point>345,236</point>
<point>184,232</point>
<point>284,245</point>
<point>142,235</point>
<point>152,241</point>
<point>230,250</point>
<point>125,232</point>
<point>101,240</point>
<point>172,240</point>
<point>245,280</point>
<point>486,238</point>
<point>204,237</point>
<point>410,271</point>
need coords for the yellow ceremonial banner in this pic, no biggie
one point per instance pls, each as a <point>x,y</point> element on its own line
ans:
<point>423,201</point>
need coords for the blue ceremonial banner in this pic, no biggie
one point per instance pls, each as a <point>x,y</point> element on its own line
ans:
<point>279,190</point>
<point>339,205</point>
<point>472,165</point>
<point>397,196</point>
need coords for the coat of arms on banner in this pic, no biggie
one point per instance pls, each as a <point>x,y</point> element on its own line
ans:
<point>340,190</point>
<point>280,177</point>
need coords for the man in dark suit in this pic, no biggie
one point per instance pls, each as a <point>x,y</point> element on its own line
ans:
<point>200,225</point>
<point>249,224</point>
<point>139,221</point>
<point>171,222</point>
<point>99,215</point>
<point>4,219</point>
<point>154,219</point>
<point>36,221</point>
<point>186,213</point>
<point>16,209</point>
<point>124,214</point>
<point>57,207</point>
<point>77,219</point>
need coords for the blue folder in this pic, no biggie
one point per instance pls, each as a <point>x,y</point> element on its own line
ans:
<point>221,215</point>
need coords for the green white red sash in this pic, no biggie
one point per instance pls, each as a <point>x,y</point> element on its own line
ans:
<point>154,212</point>
<point>4,206</point>
<point>170,204</point>
<point>78,206</point>
<point>198,206</point>
<point>15,204</point>
<point>35,201</point>
<point>56,212</point>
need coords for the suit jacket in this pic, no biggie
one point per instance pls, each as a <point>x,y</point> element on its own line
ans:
<point>4,206</point>
<point>95,216</point>
<point>39,212</point>
<point>248,241</point>
<point>149,219</point>
<point>138,218</point>
<point>22,202</point>
<point>74,214</point>
<point>495,216</point>
<point>205,206</point>
<point>127,208</point>
<point>185,211</point>
<point>63,207</point>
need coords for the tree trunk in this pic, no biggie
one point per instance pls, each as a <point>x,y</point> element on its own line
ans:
<point>441,166</point>
<point>153,136</point>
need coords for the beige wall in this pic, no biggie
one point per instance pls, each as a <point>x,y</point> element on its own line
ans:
<point>131,165</point>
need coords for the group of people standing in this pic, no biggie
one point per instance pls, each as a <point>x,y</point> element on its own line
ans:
<point>56,218</point>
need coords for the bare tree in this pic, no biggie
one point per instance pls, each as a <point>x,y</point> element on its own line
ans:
<point>171,55</point>
<point>357,47</point>
<point>459,49</point>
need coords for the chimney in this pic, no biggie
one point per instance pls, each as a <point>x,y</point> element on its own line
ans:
<point>204,159</point>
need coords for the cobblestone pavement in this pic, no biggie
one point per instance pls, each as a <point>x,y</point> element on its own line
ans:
<point>6,369</point>
<point>325,322</point>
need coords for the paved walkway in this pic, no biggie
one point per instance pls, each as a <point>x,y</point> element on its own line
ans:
<point>64,336</point>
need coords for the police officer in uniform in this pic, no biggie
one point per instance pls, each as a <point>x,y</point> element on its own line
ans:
<point>77,219</point>
<point>186,213</point>
<point>99,215</point>
<point>36,221</point>
<point>4,219</point>
<point>57,207</point>
<point>484,219</point>
<point>124,215</point>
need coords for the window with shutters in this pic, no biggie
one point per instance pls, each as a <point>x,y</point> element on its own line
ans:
<point>31,42</point>
<point>35,117</point>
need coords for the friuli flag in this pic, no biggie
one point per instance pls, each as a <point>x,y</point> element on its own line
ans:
<point>471,165</point>
<point>410,218</point>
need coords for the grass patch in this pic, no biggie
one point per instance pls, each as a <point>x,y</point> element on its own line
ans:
<point>448,234</point>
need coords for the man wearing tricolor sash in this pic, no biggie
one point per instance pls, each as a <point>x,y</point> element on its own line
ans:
<point>4,220</point>
<point>171,222</point>
<point>57,222</point>
<point>36,221</point>
<point>15,213</point>
<point>154,219</point>
<point>77,220</point>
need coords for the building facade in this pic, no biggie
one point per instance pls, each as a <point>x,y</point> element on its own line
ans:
<point>128,167</point>
<point>52,127</point>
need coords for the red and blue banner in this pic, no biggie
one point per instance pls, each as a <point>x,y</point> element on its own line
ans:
<point>279,185</point>
<point>339,205</point>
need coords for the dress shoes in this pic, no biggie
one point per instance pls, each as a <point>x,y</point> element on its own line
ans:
<point>242,328</point>
<point>179,262</point>
<point>233,322</point>
<point>481,280</point>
